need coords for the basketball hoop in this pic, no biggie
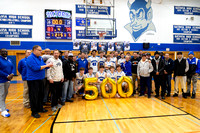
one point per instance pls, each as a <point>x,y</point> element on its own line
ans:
<point>102,35</point>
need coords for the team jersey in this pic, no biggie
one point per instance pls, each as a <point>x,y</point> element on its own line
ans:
<point>120,61</point>
<point>111,75</point>
<point>114,60</point>
<point>93,62</point>
<point>79,79</point>
<point>102,61</point>
<point>119,74</point>
<point>101,76</point>
<point>89,76</point>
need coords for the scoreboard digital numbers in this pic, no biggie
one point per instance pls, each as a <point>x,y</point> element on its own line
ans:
<point>58,24</point>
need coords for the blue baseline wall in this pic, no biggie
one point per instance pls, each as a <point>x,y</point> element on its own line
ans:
<point>69,46</point>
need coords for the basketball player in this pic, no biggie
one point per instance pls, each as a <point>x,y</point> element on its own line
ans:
<point>108,63</point>
<point>93,61</point>
<point>102,60</point>
<point>100,75</point>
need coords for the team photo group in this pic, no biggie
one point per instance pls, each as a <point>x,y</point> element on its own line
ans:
<point>58,77</point>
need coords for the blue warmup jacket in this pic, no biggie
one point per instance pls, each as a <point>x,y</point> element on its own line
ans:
<point>22,68</point>
<point>126,67</point>
<point>82,63</point>
<point>6,68</point>
<point>194,66</point>
<point>34,64</point>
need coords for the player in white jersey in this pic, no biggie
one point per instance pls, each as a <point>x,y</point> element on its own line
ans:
<point>93,61</point>
<point>79,86</point>
<point>90,73</point>
<point>122,59</point>
<point>113,59</point>
<point>108,63</point>
<point>100,75</point>
<point>118,74</point>
<point>111,75</point>
<point>101,60</point>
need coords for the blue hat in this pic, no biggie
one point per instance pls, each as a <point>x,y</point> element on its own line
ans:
<point>191,52</point>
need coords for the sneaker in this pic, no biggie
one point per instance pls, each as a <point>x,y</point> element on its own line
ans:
<point>54,109</point>
<point>193,95</point>
<point>5,114</point>
<point>83,97</point>
<point>59,106</point>
<point>149,96</point>
<point>36,115</point>
<point>156,96</point>
<point>69,100</point>
<point>175,95</point>
<point>62,103</point>
<point>117,95</point>
<point>168,95</point>
<point>163,97</point>
<point>184,95</point>
<point>141,95</point>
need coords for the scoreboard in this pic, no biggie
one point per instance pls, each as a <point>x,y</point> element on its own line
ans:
<point>58,24</point>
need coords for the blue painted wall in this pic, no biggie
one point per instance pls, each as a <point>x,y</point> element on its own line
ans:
<point>69,46</point>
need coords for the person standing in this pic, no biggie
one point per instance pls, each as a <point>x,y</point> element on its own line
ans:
<point>144,69</point>
<point>45,57</point>
<point>101,60</point>
<point>126,67</point>
<point>82,62</point>
<point>35,76</point>
<point>93,61</point>
<point>134,63</point>
<point>169,67</point>
<point>55,77</point>
<point>23,71</point>
<point>158,74</point>
<point>181,66</point>
<point>122,59</point>
<point>69,71</point>
<point>6,75</point>
<point>192,74</point>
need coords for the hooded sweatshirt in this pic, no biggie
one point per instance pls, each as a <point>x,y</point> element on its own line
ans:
<point>144,68</point>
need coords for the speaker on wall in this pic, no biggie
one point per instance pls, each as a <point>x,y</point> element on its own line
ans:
<point>145,45</point>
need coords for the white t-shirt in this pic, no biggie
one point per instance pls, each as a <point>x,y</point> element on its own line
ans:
<point>119,74</point>
<point>93,62</point>
<point>120,61</point>
<point>89,76</point>
<point>101,76</point>
<point>79,79</point>
<point>111,75</point>
<point>102,61</point>
<point>113,60</point>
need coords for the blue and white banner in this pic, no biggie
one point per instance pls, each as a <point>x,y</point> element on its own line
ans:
<point>186,38</point>
<point>16,19</point>
<point>15,33</point>
<point>81,21</point>
<point>186,10</point>
<point>98,10</point>
<point>186,29</point>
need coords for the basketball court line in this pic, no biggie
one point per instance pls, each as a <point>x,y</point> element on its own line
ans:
<point>131,118</point>
<point>179,109</point>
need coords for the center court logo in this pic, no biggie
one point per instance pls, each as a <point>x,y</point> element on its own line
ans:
<point>141,15</point>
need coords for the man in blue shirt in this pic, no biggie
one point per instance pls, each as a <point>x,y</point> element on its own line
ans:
<point>192,74</point>
<point>82,62</point>
<point>22,70</point>
<point>35,75</point>
<point>6,74</point>
<point>127,67</point>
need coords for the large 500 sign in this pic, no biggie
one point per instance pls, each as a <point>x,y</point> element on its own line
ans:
<point>115,87</point>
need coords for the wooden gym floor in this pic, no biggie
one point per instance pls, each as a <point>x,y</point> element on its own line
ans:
<point>123,115</point>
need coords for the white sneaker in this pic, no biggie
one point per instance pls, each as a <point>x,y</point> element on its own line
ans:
<point>54,109</point>
<point>5,114</point>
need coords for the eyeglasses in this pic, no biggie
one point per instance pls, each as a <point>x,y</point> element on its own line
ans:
<point>39,50</point>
